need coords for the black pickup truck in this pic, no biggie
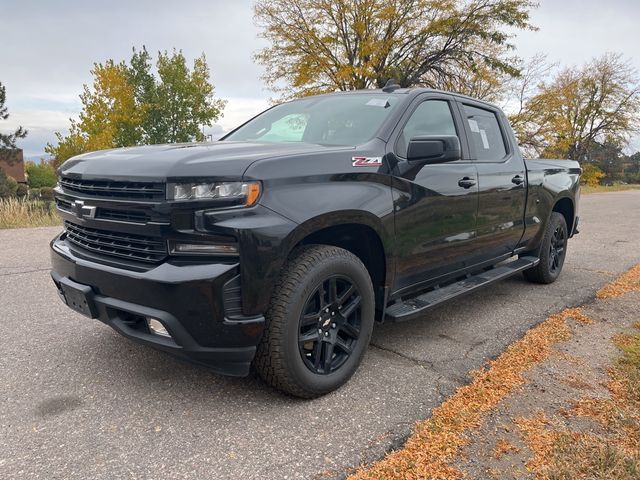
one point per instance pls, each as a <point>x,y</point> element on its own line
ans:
<point>281,244</point>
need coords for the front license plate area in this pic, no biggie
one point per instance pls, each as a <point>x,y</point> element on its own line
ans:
<point>78,297</point>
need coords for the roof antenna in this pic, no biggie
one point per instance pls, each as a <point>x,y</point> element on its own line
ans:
<point>391,85</point>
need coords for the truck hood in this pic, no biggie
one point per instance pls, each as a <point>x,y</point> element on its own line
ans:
<point>161,162</point>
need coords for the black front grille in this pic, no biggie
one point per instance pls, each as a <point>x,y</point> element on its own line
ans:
<point>64,205</point>
<point>117,215</point>
<point>122,215</point>
<point>115,244</point>
<point>126,190</point>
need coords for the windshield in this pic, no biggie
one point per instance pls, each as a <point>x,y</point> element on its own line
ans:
<point>332,120</point>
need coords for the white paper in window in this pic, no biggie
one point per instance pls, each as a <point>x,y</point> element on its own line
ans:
<point>485,140</point>
<point>473,125</point>
<point>379,102</point>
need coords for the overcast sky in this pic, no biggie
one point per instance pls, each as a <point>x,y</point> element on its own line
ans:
<point>48,48</point>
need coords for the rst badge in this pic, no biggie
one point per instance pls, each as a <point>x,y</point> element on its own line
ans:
<point>366,161</point>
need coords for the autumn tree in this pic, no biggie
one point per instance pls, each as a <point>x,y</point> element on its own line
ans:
<point>8,140</point>
<point>581,107</point>
<point>182,101</point>
<point>518,92</point>
<point>127,105</point>
<point>317,46</point>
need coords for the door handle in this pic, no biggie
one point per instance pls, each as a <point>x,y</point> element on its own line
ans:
<point>518,180</point>
<point>466,182</point>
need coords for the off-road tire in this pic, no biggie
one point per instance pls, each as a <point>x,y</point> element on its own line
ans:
<point>278,359</point>
<point>544,272</point>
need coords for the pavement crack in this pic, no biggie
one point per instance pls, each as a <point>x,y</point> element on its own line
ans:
<point>472,347</point>
<point>420,363</point>
<point>25,271</point>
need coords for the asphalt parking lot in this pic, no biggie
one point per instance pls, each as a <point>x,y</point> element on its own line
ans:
<point>79,401</point>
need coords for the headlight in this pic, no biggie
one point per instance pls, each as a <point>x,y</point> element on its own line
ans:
<point>242,193</point>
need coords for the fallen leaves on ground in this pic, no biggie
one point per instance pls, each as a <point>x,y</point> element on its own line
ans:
<point>435,442</point>
<point>625,283</point>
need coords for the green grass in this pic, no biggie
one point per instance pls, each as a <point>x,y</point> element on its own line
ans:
<point>16,213</point>
<point>617,187</point>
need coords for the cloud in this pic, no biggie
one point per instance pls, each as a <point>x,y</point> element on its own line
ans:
<point>571,32</point>
<point>47,64</point>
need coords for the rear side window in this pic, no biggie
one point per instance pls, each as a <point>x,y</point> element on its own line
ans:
<point>431,117</point>
<point>485,134</point>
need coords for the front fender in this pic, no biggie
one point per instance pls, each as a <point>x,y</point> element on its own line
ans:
<point>312,204</point>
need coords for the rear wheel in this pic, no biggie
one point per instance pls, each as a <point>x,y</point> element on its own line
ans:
<point>552,251</point>
<point>318,324</point>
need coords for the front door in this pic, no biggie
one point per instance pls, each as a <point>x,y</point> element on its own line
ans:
<point>435,205</point>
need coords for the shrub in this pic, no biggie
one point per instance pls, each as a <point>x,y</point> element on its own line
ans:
<point>22,190</point>
<point>46,194</point>
<point>41,175</point>
<point>632,177</point>
<point>8,185</point>
<point>591,175</point>
<point>34,194</point>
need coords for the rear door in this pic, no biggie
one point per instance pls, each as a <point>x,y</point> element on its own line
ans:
<point>435,205</point>
<point>501,180</point>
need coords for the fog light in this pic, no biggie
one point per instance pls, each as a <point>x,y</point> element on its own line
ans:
<point>157,327</point>
<point>179,248</point>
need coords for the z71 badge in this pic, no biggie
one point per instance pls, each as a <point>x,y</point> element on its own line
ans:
<point>366,161</point>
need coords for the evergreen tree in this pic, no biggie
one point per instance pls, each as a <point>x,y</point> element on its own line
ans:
<point>8,140</point>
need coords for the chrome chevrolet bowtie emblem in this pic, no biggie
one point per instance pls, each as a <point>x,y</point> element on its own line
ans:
<point>83,211</point>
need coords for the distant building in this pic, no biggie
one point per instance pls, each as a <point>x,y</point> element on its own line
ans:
<point>12,162</point>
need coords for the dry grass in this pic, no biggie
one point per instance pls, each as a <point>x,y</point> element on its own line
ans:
<point>614,454</point>
<point>588,456</point>
<point>586,189</point>
<point>27,213</point>
<point>436,442</point>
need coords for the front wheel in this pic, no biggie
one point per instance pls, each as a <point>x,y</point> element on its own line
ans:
<point>552,251</point>
<point>319,322</point>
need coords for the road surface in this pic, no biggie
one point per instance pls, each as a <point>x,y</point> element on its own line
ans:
<point>79,401</point>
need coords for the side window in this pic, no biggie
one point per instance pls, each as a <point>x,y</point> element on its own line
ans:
<point>485,134</point>
<point>289,128</point>
<point>432,117</point>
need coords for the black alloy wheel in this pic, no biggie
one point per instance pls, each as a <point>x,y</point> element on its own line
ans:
<point>330,324</point>
<point>557,249</point>
<point>552,251</point>
<point>319,322</point>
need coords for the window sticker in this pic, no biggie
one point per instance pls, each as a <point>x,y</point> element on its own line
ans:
<point>366,161</point>
<point>485,141</point>
<point>379,102</point>
<point>473,125</point>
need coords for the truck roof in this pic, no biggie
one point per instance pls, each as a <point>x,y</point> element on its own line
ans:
<point>412,91</point>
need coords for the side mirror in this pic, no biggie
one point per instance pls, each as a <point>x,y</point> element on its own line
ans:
<point>434,149</point>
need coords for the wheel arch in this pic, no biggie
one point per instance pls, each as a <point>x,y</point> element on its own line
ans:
<point>355,233</point>
<point>566,208</point>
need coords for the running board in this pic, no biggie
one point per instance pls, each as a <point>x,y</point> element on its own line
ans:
<point>412,307</point>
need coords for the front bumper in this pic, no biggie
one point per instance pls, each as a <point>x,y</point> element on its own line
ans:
<point>186,298</point>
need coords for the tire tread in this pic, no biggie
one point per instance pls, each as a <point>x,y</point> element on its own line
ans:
<point>269,361</point>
